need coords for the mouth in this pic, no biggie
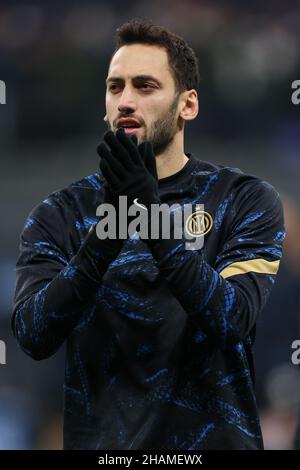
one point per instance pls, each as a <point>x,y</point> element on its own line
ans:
<point>130,126</point>
<point>131,130</point>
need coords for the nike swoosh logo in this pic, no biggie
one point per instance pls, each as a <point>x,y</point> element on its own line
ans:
<point>135,201</point>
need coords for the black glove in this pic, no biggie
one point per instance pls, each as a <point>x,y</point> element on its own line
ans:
<point>146,151</point>
<point>125,171</point>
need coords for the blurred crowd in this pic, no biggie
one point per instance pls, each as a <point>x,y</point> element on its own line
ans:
<point>53,56</point>
<point>277,378</point>
<point>53,59</point>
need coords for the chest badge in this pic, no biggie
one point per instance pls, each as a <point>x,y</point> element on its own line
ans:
<point>199,223</point>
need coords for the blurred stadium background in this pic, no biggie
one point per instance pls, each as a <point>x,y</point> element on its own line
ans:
<point>53,58</point>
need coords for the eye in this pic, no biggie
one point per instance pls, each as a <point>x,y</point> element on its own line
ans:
<point>147,86</point>
<point>113,87</point>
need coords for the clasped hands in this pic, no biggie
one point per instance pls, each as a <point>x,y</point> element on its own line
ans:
<point>129,169</point>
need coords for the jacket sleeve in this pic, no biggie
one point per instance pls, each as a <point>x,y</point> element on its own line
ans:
<point>226,298</point>
<point>53,290</point>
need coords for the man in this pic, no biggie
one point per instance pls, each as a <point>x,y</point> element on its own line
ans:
<point>158,337</point>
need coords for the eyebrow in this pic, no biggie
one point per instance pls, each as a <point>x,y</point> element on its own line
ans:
<point>136,78</point>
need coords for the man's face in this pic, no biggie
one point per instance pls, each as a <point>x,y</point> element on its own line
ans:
<point>141,93</point>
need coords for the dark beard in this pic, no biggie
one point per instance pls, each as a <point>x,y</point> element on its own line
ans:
<point>164,129</point>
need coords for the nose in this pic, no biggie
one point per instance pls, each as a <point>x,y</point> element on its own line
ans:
<point>127,101</point>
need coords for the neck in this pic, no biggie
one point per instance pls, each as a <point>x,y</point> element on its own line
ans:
<point>171,160</point>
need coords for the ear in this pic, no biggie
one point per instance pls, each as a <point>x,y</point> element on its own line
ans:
<point>189,105</point>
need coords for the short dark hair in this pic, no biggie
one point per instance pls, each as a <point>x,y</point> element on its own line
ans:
<point>182,58</point>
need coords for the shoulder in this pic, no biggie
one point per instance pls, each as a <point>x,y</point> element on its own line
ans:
<point>256,203</point>
<point>243,185</point>
<point>69,197</point>
<point>66,208</point>
<point>244,200</point>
